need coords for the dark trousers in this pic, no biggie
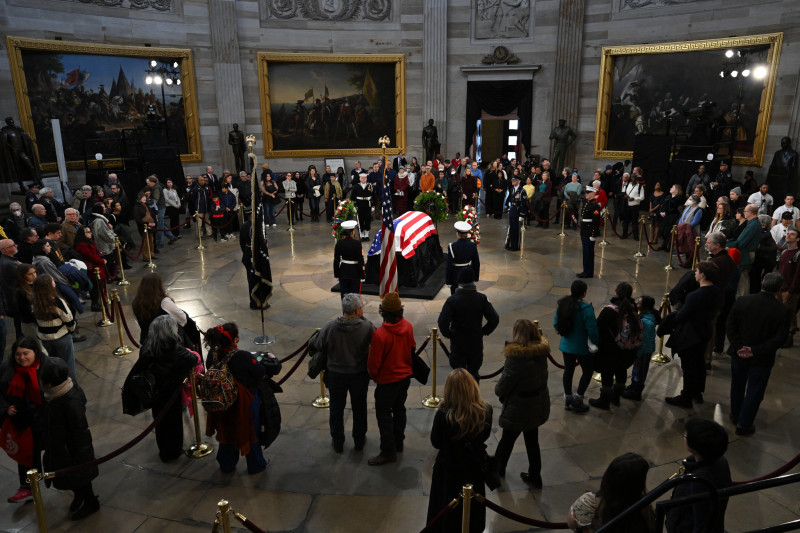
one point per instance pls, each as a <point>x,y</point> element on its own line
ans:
<point>228,454</point>
<point>339,385</point>
<point>472,360</point>
<point>630,217</point>
<point>169,433</point>
<point>639,372</point>
<point>693,364</point>
<point>174,219</point>
<point>506,445</point>
<point>570,362</point>
<point>390,410</point>
<point>347,286</point>
<point>722,319</point>
<point>748,384</point>
<point>588,255</point>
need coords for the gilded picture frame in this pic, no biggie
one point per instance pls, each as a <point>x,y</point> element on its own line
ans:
<point>642,85</point>
<point>317,105</point>
<point>51,68</point>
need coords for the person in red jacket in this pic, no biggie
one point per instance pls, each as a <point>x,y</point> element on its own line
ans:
<point>389,366</point>
<point>85,245</point>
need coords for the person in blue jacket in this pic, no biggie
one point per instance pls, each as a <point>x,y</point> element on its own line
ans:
<point>575,322</point>
<point>650,320</point>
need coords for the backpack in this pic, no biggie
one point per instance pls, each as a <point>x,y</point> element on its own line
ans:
<point>139,390</point>
<point>217,390</point>
<point>625,338</point>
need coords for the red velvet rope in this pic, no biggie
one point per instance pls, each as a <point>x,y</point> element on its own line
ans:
<point>614,229</point>
<point>424,344</point>
<point>141,249</point>
<point>519,518</point>
<point>297,351</point>
<point>490,211</point>
<point>248,524</point>
<point>444,348</point>
<point>493,374</point>
<point>125,323</point>
<point>775,473</point>
<point>292,370</point>
<point>555,363</point>
<point>228,223</point>
<point>446,509</point>
<point>186,223</point>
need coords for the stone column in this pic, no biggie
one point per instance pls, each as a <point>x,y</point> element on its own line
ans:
<point>434,65</point>
<point>568,64</point>
<point>227,76</point>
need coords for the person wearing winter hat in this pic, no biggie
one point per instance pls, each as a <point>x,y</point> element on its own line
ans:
<point>389,366</point>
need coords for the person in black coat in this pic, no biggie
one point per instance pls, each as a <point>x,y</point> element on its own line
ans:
<point>670,213</point>
<point>461,321</point>
<point>517,209</point>
<point>461,254</point>
<point>348,261</point>
<point>69,440</point>
<point>170,363</point>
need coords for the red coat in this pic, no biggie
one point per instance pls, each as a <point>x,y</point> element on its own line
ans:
<point>390,352</point>
<point>401,200</point>
<point>92,257</point>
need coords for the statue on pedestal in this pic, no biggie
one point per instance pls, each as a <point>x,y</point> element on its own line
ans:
<point>430,141</point>
<point>563,137</point>
<point>236,140</point>
<point>18,161</point>
<point>782,173</point>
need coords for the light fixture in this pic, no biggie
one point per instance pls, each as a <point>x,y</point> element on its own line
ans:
<point>710,157</point>
<point>728,54</point>
<point>157,80</point>
<point>734,73</point>
<point>98,156</point>
<point>760,72</point>
<point>149,80</point>
<point>175,64</point>
<point>169,81</point>
<point>178,81</point>
<point>746,72</point>
<point>153,62</point>
<point>721,73</point>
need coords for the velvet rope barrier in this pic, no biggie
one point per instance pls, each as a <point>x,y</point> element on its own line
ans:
<point>446,509</point>
<point>444,348</point>
<point>125,323</point>
<point>549,219</point>
<point>424,344</point>
<point>518,518</point>
<point>228,223</point>
<point>292,370</point>
<point>156,421</point>
<point>173,228</point>
<point>103,288</point>
<point>775,473</point>
<point>614,229</point>
<point>490,211</point>
<point>555,363</point>
<point>247,523</point>
<point>139,253</point>
<point>493,374</point>
<point>297,351</point>
<point>650,244</point>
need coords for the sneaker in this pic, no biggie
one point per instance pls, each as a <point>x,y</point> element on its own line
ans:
<point>23,495</point>
<point>223,239</point>
<point>381,459</point>
<point>568,402</point>
<point>577,405</point>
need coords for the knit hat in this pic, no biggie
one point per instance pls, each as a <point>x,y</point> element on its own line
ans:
<point>391,302</point>
<point>736,255</point>
<point>737,191</point>
<point>609,167</point>
<point>466,275</point>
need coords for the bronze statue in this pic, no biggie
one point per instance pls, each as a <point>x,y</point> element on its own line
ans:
<point>18,160</point>
<point>236,140</point>
<point>563,137</point>
<point>782,173</point>
<point>430,141</point>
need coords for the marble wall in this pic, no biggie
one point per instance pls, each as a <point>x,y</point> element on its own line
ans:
<point>534,30</point>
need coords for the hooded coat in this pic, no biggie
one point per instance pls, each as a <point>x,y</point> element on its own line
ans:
<point>522,387</point>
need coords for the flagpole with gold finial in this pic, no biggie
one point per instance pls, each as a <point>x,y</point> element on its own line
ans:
<point>384,142</point>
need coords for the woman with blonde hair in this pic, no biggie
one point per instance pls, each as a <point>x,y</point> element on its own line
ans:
<point>523,391</point>
<point>461,426</point>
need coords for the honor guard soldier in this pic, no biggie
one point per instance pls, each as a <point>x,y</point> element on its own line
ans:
<point>348,261</point>
<point>461,254</point>
<point>517,209</point>
<point>362,196</point>
<point>590,230</point>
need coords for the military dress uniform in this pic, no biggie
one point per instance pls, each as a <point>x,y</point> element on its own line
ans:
<point>362,196</point>
<point>461,254</point>
<point>590,230</point>
<point>517,207</point>
<point>348,265</point>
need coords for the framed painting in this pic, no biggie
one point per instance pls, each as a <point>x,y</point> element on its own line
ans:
<point>316,105</point>
<point>107,98</point>
<point>715,95</point>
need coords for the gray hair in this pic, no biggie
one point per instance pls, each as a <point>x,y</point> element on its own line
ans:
<point>717,238</point>
<point>45,190</point>
<point>70,210</point>
<point>162,334</point>
<point>764,220</point>
<point>36,207</point>
<point>12,204</point>
<point>351,303</point>
<point>596,184</point>
<point>772,282</point>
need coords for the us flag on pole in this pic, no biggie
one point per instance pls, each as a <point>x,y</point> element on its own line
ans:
<point>388,264</point>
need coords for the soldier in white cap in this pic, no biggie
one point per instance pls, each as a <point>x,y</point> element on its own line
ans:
<point>348,261</point>
<point>361,194</point>
<point>517,209</point>
<point>461,254</point>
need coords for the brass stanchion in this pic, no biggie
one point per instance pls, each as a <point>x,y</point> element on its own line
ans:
<point>433,400</point>
<point>150,263</point>
<point>122,281</point>
<point>695,252</point>
<point>322,401</point>
<point>33,481</point>
<point>123,348</point>
<point>199,449</point>
<point>642,231</point>
<point>291,218</point>
<point>604,242</point>
<point>199,223</point>
<point>466,493</point>
<point>597,376</point>
<point>563,218</point>
<point>105,322</point>
<point>660,356</point>
<point>672,233</point>
<point>224,515</point>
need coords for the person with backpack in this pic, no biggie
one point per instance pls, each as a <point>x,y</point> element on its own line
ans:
<point>621,336</point>
<point>689,330</point>
<point>650,319</point>
<point>575,321</point>
<point>232,411</point>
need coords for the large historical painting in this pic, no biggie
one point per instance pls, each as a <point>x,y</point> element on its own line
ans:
<point>317,105</point>
<point>678,89</point>
<point>100,92</point>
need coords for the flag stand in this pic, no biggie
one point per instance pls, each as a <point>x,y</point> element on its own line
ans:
<point>264,338</point>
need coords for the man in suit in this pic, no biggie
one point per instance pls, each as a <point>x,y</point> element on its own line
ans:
<point>399,161</point>
<point>462,254</point>
<point>212,180</point>
<point>758,325</point>
<point>348,261</point>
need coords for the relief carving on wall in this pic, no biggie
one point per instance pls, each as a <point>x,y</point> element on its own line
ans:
<point>332,10</point>
<point>635,4</point>
<point>502,19</point>
<point>500,56</point>
<point>160,5</point>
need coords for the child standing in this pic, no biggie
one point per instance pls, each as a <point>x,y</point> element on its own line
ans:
<point>650,320</point>
<point>217,218</point>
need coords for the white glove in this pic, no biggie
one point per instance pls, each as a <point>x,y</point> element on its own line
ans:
<point>521,219</point>
<point>592,346</point>
<point>592,239</point>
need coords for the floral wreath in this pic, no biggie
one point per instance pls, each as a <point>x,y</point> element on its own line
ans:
<point>470,215</point>
<point>433,204</point>
<point>346,210</point>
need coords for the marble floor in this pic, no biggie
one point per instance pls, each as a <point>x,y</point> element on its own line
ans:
<point>308,488</point>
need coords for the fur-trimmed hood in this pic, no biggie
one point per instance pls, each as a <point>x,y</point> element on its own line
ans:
<point>540,349</point>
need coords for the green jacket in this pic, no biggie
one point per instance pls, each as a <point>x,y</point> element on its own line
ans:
<point>747,243</point>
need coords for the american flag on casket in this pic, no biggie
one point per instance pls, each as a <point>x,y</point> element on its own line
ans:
<point>410,230</point>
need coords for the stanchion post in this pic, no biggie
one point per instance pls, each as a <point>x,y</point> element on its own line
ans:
<point>695,252</point>
<point>33,480</point>
<point>660,356</point>
<point>563,218</point>
<point>199,223</point>
<point>224,515</point>
<point>433,401</point>
<point>291,218</point>
<point>604,242</point>
<point>642,231</point>
<point>672,233</point>
<point>123,348</point>
<point>122,281</point>
<point>199,449</point>
<point>150,263</point>
<point>105,322</point>
<point>322,401</point>
<point>466,494</point>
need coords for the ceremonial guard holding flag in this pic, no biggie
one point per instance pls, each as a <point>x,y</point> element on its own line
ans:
<point>348,261</point>
<point>362,196</point>
<point>461,254</point>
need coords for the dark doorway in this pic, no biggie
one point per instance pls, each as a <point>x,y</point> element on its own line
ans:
<point>500,98</point>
